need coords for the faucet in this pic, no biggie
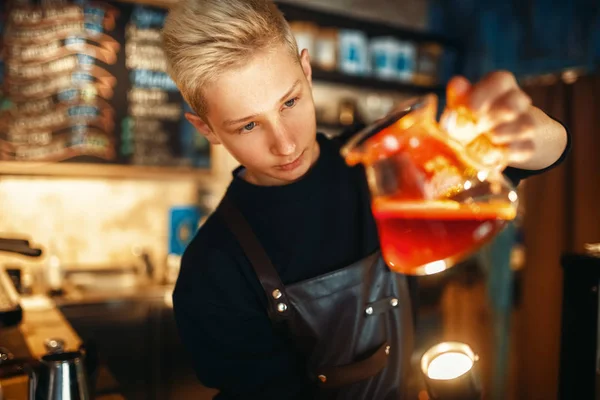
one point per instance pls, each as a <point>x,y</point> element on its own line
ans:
<point>11,312</point>
<point>19,246</point>
<point>144,256</point>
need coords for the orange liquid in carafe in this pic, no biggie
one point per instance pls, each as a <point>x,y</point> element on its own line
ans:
<point>426,237</point>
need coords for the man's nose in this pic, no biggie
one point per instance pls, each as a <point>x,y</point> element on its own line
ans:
<point>283,142</point>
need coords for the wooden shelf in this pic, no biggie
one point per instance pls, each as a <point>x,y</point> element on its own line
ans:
<point>373,83</point>
<point>83,170</point>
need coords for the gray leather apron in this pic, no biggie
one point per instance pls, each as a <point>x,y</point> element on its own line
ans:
<point>353,325</point>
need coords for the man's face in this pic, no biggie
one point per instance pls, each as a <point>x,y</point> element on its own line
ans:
<point>264,115</point>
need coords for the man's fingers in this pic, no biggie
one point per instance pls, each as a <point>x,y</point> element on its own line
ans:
<point>522,128</point>
<point>458,91</point>
<point>489,89</point>
<point>521,151</point>
<point>508,107</point>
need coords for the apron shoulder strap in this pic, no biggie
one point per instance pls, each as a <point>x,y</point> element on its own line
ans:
<point>279,306</point>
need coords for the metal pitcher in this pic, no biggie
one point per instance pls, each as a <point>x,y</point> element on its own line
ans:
<point>63,374</point>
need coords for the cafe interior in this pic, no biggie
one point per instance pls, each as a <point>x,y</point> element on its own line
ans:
<point>92,231</point>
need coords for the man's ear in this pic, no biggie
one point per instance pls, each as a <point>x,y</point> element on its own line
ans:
<point>202,127</point>
<point>305,64</point>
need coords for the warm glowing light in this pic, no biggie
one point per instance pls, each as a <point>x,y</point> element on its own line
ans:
<point>512,196</point>
<point>483,231</point>
<point>435,267</point>
<point>391,143</point>
<point>449,365</point>
<point>54,262</point>
<point>482,175</point>
<point>447,361</point>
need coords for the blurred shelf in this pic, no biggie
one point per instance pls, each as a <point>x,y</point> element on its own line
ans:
<point>330,126</point>
<point>155,3</point>
<point>373,28</point>
<point>373,83</point>
<point>89,170</point>
<point>327,18</point>
<point>329,130</point>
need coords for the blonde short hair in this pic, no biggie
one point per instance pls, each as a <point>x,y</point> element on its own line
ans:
<point>203,38</point>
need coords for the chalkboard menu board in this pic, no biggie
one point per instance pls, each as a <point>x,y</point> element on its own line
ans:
<point>86,81</point>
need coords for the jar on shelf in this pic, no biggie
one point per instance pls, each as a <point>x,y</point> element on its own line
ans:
<point>305,34</point>
<point>326,45</point>
<point>348,112</point>
<point>428,64</point>
<point>384,53</point>
<point>353,52</point>
<point>406,61</point>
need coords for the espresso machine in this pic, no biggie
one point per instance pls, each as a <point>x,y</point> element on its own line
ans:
<point>17,378</point>
<point>59,374</point>
<point>10,309</point>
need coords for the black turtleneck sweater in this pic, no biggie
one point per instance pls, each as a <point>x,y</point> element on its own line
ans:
<point>318,224</point>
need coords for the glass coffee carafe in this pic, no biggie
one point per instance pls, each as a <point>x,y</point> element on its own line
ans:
<point>437,188</point>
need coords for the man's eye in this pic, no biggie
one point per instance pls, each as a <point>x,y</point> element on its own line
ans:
<point>248,127</point>
<point>291,103</point>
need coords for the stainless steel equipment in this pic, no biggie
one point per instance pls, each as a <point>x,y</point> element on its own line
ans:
<point>63,375</point>
<point>11,313</point>
<point>10,310</point>
<point>58,375</point>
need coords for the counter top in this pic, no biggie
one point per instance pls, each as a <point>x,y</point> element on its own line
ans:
<point>42,320</point>
<point>133,330</point>
<point>162,293</point>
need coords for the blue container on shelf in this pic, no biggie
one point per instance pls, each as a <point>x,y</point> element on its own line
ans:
<point>353,52</point>
<point>184,222</point>
<point>406,61</point>
<point>384,53</point>
<point>183,225</point>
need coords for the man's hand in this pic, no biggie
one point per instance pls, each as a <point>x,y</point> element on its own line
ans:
<point>503,109</point>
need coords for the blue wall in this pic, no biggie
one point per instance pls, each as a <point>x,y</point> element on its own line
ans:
<point>527,37</point>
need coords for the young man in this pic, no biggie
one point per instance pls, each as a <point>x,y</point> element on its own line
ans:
<point>282,293</point>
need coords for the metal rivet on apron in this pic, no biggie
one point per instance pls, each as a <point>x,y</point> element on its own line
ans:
<point>369,310</point>
<point>394,302</point>
<point>281,307</point>
<point>323,378</point>
<point>387,350</point>
<point>276,293</point>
